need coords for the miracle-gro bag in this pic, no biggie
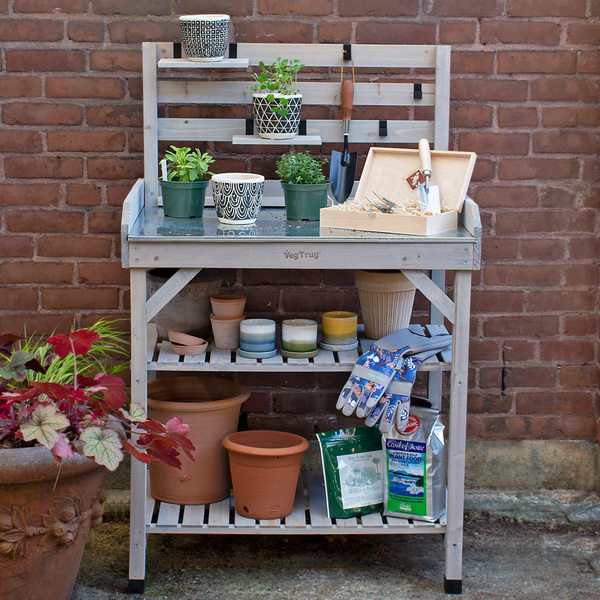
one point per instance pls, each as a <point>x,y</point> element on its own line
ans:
<point>354,471</point>
<point>415,486</point>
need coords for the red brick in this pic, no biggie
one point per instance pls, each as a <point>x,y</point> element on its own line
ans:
<point>277,32</point>
<point>470,116</point>
<point>519,427</point>
<point>280,277</point>
<point>497,90</point>
<point>85,298</point>
<point>463,8</point>
<point>44,221</point>
<point>591,170</point>
<point>83,195</point>
<point>135,141</point>
<point>457,33</point>
<point>531,221</point>
<point>19,87</point>
<point>584,248</point>
<point>484,350</point>
<point>332,33</point>
<point>568,350</point>
<point>538,168</point>
<point>561,403</point>
<point>229,7</point>
<point>583,33</point>
<point>103,273</point>
<point>495,143</point>
<point>315,301</point>
<point>499,248</point>
<point>530,376</point>
<point>519,351</point>
<point>484,403</point>
<point>546,8</point>
<point>581,275</point>
<point>116,194</point>
<point>84,87</point>
<point>472,62</point>
<point>26,113</point>
<point>43,166</point>
<point>562,141</point>
<point>484,170</point>
<point>15,246</point>
<point>27,272</point>
<point>115,60</point>
<point>570,116</point>
<point>50,6</point>
<point>37,323</point>
<point>86,31</point>
<point>497,301</point>
<point>570,88</point>
<point>558,197</point>
<point>115,168</point>
<point>314,8</point>
<point>301,403</point>
<point>589,62</point>
<point>86,141</point>
<point>579,375</point>
<point>24,193</point>
<point>45,60</point>
<point>79,247</point>
<point>263,302</point>
<point>19,298</point>
<point>579,325</point>
<point>542,249</point>
<point>12,140</point>
<point>140,7</point>
<point>371,32</point>
<point>537,62</point>
<point>577,427</point>
<point>104,222</point>
<point>519,32</point>
<point>374,8</point>
<point>517,117</point>
<point>30,30</point>
<point>114,116</point>
<point>134,32</point>
<point>522,275</point>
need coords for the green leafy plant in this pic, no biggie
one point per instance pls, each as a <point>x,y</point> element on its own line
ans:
<point>281,77</point>
<point>300,168</point>
<point>56,393</point>
<point>185,165</point>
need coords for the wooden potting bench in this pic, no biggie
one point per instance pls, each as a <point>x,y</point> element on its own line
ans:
<point>149,240</point>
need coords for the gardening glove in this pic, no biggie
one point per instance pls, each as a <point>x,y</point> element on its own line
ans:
<point>374,370</point>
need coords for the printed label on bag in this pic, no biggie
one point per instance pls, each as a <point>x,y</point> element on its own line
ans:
<point>406,476</point>
<point>361,478</point>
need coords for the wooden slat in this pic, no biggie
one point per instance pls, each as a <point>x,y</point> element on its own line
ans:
<point>193,515</point>
<point>442,98</point>
<point>218,513</point>
<point>317,501</point>
<point>273,360</point>
<point>184,63</point>
<point>219,355</point>
<point>152,337</point>
<point>149,59</point>
<point>348,357</point>
<point>372,520</point>
<point>168,290</point>
<point>349,523</point>
<point>240,521</point>
<point>297,518</point>
<point>166,354</point>
<point>168,514</point>
<point>150,503</point>
<point>324,357</point>
<point>133,206</point>
<point>270,522</point>
<point>195,359</point>
<point>397,522</point>
<point>254,140</point>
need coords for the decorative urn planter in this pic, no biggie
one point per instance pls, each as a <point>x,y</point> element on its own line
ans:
<point>238,197</point>
<point>273,125</point>
<point>43,528</point>
<point>205,37</point>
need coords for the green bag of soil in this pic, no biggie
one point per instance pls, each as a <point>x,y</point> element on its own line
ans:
<point>354,471</point>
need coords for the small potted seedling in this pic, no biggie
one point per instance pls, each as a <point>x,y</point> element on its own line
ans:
<point>304,185</point>
<point>185,178</point>
<point>276,102</point>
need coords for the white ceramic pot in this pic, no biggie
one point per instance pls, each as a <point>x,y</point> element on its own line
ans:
<point>237,197</point>
<point>271,125</point>
<point>205,37</point>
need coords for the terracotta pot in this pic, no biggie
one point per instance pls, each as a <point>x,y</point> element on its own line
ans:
<point>264,470</point>
<point>228,305</point>
<point>43,530</point>
<point>226,331</point>
<point>211,407</point>
<point>386,301</point>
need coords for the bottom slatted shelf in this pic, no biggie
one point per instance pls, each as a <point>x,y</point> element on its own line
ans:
<point>309,516</point>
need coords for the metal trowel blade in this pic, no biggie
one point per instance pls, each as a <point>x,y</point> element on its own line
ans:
<point>430,201</point>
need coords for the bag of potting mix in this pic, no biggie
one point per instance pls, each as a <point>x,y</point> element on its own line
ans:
<point>415,486</point>
<point>353,469</point>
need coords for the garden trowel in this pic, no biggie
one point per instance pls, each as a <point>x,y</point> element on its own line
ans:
<point>429,195</point>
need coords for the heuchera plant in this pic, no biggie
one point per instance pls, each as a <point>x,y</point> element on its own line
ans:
<point>85,414</point>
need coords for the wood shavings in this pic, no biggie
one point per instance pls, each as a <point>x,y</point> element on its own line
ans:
<point>407,205</point>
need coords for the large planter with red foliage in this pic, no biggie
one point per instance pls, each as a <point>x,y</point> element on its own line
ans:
<point>43,527</point>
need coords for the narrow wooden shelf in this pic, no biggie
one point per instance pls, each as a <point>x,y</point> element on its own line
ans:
<point>185,63</point>
<point>299,140</point>
<point>309,516</point>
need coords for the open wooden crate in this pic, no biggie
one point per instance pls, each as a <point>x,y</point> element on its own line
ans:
<point>385,171</point>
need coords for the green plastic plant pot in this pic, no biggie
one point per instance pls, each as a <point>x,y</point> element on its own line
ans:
<point>183,199</point>
<point>304,201</point>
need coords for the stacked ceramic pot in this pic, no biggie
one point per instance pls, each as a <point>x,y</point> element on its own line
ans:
<point>228,313</point>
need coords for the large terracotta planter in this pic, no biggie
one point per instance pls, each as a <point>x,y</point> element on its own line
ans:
<point>210,406</point>
<point>43,530</point>
<point>265,466</point>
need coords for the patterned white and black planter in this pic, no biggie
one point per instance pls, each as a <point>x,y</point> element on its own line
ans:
<point>238,197</point>
<point>271,125</point>
<point>205,37</point>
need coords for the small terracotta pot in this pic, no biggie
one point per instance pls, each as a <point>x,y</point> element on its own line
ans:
<point>210,406</point>
<point>265,466</point>
<point>228,305</point>
<point>226,331</point>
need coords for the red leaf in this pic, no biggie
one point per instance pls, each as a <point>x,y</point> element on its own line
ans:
<point>141,456</point>
<point>79,342</point>
<point>151,426</point>
<point>176,425</point>
<point>56,391</point>
<point>61,343</point>
<point>113,394</point>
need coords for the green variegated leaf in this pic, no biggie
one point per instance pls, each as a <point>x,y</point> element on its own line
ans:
<point>44,425</point>
<point>135,413</point>
<point>103,445</point>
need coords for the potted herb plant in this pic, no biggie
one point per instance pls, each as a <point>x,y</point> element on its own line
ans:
<point>276,103</point>
<point>64,420</point>
<point>304,185</point>
<point>184,184</point>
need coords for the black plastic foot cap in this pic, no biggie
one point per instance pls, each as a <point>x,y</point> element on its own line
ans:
<point>453,586</point>
<point>136,586</point>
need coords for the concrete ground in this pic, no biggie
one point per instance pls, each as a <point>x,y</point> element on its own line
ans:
<point>517,546</point>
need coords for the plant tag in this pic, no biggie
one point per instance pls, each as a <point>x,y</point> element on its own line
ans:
<point>163,168</point>
<point>415,179</point>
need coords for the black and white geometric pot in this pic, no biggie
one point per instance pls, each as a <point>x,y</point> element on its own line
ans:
<point>205,37</point>
<point>271,125</point>
<point>237,197</point>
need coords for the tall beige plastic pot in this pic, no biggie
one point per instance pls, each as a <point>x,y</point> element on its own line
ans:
<point>386,301</point>
<point>211,407</point>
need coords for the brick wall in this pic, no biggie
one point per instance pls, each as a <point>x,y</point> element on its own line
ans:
<point>525,93</point>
